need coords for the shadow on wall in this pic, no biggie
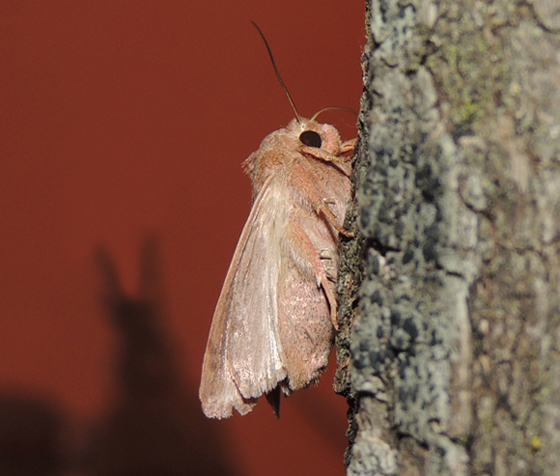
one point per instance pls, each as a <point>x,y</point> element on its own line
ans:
<point>155,426</point>
<point>30,431</point>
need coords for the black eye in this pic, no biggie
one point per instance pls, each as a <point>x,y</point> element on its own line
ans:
<point>310,138</point>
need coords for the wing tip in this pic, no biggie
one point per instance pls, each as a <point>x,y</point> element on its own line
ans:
<point>223,408</point>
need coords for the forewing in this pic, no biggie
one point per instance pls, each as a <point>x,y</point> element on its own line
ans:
<point>243,357</point>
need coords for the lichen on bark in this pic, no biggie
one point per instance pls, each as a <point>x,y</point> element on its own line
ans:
<point>450,308</point>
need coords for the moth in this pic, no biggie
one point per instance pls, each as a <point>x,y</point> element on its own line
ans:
<point>275,321</point>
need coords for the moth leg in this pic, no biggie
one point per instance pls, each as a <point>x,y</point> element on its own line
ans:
<point>330,201</point>
<point>322,154</point>
<point>337,160</point>
<point>325,255</point>
<point>348,146</point>
<point>319,203</point>
<point>322,208</point>
<point>325,155</point>
<point>340,229</point>
<point>309,261</point>
<point>327,260</point>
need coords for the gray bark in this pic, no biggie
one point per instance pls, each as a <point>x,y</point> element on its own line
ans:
<point>449,351</point>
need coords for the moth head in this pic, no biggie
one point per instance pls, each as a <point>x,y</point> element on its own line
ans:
<point>315,134</point>
<point>311,133</point>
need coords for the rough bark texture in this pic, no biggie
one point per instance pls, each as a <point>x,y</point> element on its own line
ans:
<point>450,345</point>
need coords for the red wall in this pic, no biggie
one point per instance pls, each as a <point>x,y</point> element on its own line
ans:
<point>123,117</point>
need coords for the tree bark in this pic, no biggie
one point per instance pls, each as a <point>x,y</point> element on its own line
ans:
<point>449,350</point>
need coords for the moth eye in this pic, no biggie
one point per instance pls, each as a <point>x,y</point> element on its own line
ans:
<point>310,138</point>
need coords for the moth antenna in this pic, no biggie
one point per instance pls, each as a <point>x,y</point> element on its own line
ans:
<point>334,107</point>
<point>298,117</point>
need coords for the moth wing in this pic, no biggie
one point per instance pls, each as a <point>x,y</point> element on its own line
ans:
<point>304,318</point>
<point>243,357</point>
